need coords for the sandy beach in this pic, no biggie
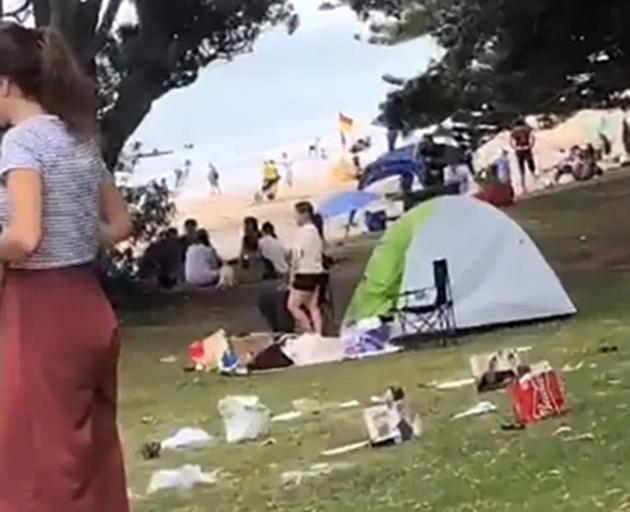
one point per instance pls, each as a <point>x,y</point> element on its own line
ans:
<point>223,214</point>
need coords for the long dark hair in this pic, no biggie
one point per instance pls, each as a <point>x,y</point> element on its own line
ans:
<point>306,208</point>
<point>269,229</point>
<point>41,64</point>
<point>203,237</point>
<point>250,226</point>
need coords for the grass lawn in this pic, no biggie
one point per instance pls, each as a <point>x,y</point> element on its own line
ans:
<point>468,465</point>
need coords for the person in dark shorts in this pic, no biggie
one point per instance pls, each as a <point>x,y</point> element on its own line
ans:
<point>307,271</point>
<point>522,140</point>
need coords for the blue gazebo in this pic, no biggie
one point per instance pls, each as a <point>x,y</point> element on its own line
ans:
<point>400,162</point>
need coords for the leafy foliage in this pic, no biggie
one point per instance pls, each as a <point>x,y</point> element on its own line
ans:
<point>163,45</point>
<point>510,56</point>
<point>135,59</point>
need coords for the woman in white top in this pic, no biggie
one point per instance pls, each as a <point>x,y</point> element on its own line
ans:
<point>307,271</point>
<point>273,252</point>
<point>203,265</point>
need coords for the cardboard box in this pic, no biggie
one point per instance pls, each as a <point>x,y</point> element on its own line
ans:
<point>495,370</point>
<point>538,395</point>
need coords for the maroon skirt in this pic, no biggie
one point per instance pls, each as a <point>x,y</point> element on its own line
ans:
<point>59,443</point>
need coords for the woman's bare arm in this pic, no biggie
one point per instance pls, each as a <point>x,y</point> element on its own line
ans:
<point>116,225</point>
<point>20,239</point>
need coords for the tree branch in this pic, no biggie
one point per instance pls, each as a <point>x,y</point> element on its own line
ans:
<point>42,12</point>
<point>105,27</point>
<point>137,92</point>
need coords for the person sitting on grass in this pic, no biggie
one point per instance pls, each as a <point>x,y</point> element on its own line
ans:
<point>273,253</point>
<point>162,260</point>
<point>203,264</point>
<point>250,241</point>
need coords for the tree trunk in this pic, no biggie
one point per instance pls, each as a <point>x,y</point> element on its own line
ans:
<point>136,95</point>
<point>42,13</point>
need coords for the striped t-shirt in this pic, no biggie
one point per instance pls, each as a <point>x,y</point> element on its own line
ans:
<point>72,171</point>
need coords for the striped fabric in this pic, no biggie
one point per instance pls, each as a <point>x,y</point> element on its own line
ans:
<point>72,171</point>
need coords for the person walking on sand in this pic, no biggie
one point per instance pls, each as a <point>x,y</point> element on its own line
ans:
<point>213,180</point>
<point>271,178</point>
<point>59,443</point>
<point>287,165</point>
<point>179,178</point>
<point>522,140</point>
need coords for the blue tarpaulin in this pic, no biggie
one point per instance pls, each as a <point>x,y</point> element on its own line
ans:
<point>402,161</point>
<point>346,202</point>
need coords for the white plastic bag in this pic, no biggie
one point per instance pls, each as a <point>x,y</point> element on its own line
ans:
<point>188,438</point>
<point>245,418</point>
<point>185,477</point>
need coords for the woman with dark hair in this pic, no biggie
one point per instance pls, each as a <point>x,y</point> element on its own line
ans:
<point>308,272</point>
<point>273,253</point>
<point>59,443</point>
<point>251,238</point>
<point>203,264</point>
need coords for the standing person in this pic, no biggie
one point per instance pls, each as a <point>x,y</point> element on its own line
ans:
<point>59,443</point>
<point>522,140</point>
<point>179,178</point>
<point>287,165</point>
<point>504,168</point>
<point>271,178</point>
<point>307,269</point>
<point>213,179</point>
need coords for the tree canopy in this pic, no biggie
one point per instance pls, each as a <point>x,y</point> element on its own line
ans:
<point>163,45</point>
<point>510,56</point>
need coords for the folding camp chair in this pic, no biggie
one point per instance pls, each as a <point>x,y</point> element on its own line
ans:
<point>430,311</point>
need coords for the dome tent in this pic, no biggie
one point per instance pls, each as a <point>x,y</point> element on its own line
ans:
<point>498,275</point>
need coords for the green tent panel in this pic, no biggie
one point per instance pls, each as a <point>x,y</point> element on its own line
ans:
<point>379,289</point>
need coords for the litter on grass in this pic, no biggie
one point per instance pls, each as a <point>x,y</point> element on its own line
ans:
<point>287,416</point>
<point>188,438</point>
<point>317,470</point>
<point>582,437</point>
<point>391,421</point>
<point>185,477</point>
<point>245,418</point>
<point>349,448</point>
<point>568,368</point>
<point>454,384</point>
<point>304,406</point>
<point>495,370</point>
<point>565,429</point>
<point>480,409</point>
<point>314,406</point>
<point>538,395</point>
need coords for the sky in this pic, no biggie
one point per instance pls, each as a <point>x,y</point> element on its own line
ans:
<point>282,96</point>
